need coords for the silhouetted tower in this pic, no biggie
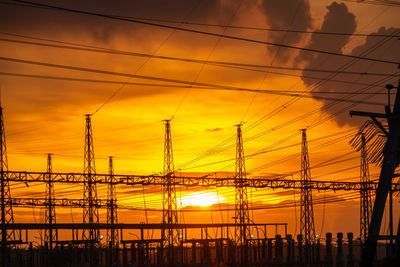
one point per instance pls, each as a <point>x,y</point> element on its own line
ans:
<point>307,228</point>
<point>7,216</point>
<point>112,214</point>
<point>50,235</point>
<point>242,219</point>
<point>170,212</point>
<point>365,193</point>
<point>90,209</point>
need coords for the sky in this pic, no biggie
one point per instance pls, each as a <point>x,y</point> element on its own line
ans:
<point>45,113</point>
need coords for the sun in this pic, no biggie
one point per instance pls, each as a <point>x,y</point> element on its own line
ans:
<point>201,199</point>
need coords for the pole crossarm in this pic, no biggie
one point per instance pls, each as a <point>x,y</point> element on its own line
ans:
<point>389,161</point>
<point>367,114</point>
<point>260,182</point>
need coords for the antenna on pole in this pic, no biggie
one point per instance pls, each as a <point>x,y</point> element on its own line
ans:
<point>389,87</point>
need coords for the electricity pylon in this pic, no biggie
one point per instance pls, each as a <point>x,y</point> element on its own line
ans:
<point>242,219</point>
<point>307,227</point>
<point>7,216</point>
<point>365,194</point>
<point>50,235</point>
<point>170,212</point>
<point>112,214</point>
<point>90,209</point>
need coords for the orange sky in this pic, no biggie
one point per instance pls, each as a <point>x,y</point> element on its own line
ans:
<point>47,116</point>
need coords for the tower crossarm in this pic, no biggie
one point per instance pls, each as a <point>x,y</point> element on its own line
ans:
<point>260,182</point>
<point>57,202</point>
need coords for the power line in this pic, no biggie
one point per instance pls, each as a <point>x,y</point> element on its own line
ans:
<point>216,87</point>
<point>64,78</point>
<point>204,32</point>
<point>294,100</point>
<point>235,65</point>
<point>240,27</point>
<point>270,149</point>
<point>333,199</point>
<point>382,3</point>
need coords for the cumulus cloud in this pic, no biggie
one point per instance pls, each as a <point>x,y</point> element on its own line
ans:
<point>339,19</point>
<point>286,14</point>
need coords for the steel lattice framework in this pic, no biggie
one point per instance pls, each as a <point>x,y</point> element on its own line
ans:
<point>277,182</point>
<point>7,216</point>
<point>242,233</point>
<point>50,235</point>
<point>307,228</point>
<point>112,212</point>
<point>90,210</point>
<point>365,194</point>
<point>170,209</point>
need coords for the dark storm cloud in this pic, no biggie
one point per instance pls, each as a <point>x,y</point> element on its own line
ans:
<point>287,14</point>
<point>340,19</point>
<point>27,19</point>
<point>337,19</point>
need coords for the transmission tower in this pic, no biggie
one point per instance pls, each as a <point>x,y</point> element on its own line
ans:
<point>365,194</point>
<point>7,216</point>
<point>242,219</point>
<point>90,209</point>
<point>112,214</point>
<point>49,212</point>
<point>307,228</point>
<point>170,213</point>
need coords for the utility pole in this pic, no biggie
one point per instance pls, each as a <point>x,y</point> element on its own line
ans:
<point>307,227</point>
<point>365,193</point>
<point>90,208</point>
<point>112,214</point>
<point>7,216</point>
<point>50,212</point>
<point>389,164</point>
<point>170,209</point>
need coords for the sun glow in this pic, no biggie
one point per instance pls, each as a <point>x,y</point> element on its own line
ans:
<point>201,199</point>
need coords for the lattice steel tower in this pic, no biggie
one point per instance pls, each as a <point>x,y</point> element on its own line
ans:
<point>50,235</point>
<point>365,193</point>
<point>112,214</point>
<point>307,227</point>
<point>90,209</point>
<point>242,219</point>
<point>170,212</point>
<point>7,216</point>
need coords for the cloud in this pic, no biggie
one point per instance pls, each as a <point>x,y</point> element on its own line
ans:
<point>286,14</point>
<point>339,19</point>
<point>214,130</point>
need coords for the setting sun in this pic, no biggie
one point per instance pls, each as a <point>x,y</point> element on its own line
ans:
<point>201,199</point>
<point>199,133</point>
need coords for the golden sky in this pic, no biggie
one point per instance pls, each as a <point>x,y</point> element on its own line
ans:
<point>47,116</point>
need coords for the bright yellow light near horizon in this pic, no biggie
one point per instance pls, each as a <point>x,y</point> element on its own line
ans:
<point>201,199</point>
